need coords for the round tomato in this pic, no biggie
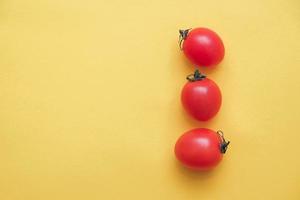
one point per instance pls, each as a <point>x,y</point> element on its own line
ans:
<point>202,46</point>
<point>201,148</point>
<point>201,97</point>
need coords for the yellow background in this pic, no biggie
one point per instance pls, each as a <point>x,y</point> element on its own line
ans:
<point>90,99</point>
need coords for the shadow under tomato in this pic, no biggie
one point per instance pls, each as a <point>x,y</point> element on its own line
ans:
<point>193,173</point>
<point>194,123</point>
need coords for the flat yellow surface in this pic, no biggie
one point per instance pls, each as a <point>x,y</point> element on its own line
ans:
<point>90,99</point>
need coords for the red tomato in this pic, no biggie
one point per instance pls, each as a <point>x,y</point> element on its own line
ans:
<point>201,148</point>
<point>202,46</point>
<point>201,97</point>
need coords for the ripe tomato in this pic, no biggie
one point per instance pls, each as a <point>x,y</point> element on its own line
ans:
<point>202,46</point>
<point>201,148</point>
<point>201,97</point>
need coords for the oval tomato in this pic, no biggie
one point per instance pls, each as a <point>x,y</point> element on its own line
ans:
<point>202,46</point>
<point>201,148</point>
<point>201,97</point>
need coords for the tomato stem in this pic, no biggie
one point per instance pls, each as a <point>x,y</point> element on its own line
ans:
<point>182,36</point>
<point>196,76</point>
<point>224,143</point>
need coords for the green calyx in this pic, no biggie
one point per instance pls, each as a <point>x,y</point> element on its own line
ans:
<point>196,76</point>
<point>182,36</point>
<point>224,144</point>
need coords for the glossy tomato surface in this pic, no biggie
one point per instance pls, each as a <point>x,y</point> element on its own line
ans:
<point>199,149</point>
<point>203,47</point>
<point>202,99</point>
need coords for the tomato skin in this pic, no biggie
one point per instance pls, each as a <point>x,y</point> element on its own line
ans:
<point>203,47</point>
<point>199,149</point>
<point>202,99</point>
